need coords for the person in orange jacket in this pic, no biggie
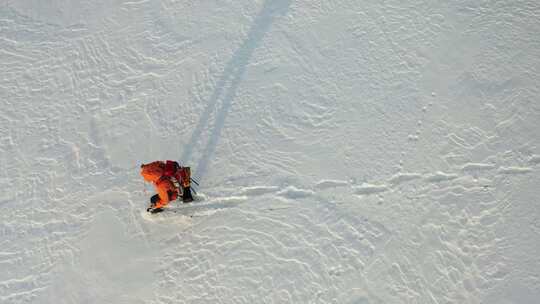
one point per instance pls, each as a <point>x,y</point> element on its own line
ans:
<point>167,177</point>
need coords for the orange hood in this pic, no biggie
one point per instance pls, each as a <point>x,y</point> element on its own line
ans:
<point>152,172</point>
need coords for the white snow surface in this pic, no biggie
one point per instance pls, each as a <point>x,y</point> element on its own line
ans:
<point>348,151</point>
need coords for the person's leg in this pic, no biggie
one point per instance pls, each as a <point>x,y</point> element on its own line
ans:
<point>186,195</point>
<point>154,199</point>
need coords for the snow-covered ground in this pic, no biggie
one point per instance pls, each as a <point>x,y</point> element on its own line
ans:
<point>348,151</point>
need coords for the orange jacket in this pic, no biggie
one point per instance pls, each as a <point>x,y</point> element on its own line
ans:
<point>167,191</point>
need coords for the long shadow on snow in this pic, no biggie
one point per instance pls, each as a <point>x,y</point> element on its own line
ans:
<point>228,84</point>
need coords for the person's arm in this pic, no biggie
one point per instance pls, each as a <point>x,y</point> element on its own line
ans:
<point>163,195</point>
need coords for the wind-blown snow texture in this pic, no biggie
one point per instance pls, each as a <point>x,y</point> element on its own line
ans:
<point>348,151</point>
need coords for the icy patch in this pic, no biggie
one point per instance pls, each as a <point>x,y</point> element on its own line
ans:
<point>110,258</point>
<point>514,170</point>
<point>258,190</point>
<point>469,182</point>
<point>167,217</point>
<point>229,199</point>
<point>440,177</point>
<point>366,189</point>
<point>403,177</point>
<point>295,193</point>
<point>477,166</point>
<point>328,183</point>
<point>206,212</point>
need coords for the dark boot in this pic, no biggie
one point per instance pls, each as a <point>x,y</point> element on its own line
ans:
<point>186,195</point>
